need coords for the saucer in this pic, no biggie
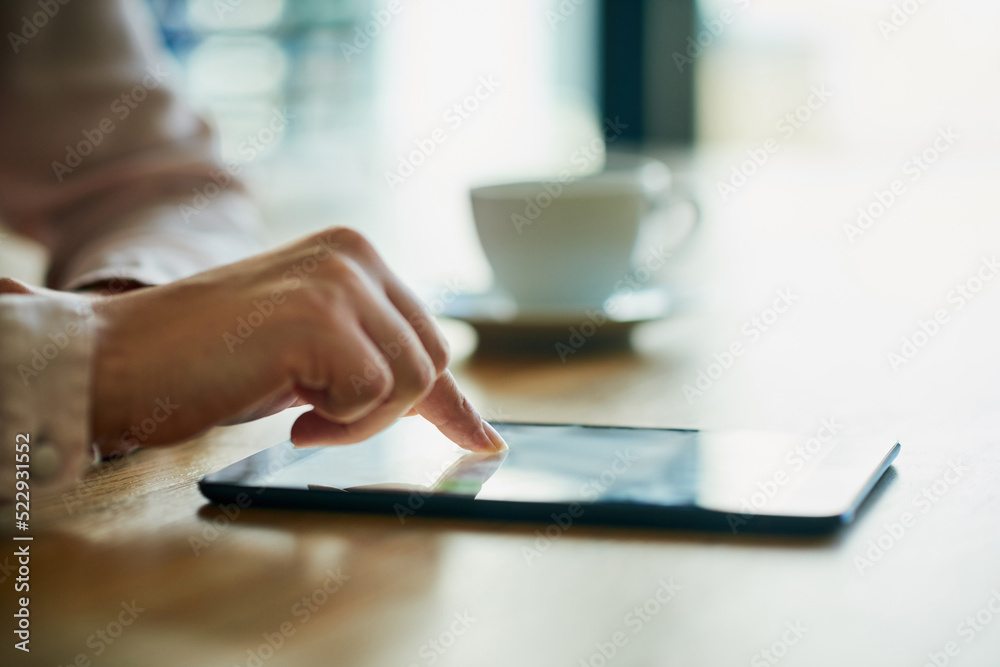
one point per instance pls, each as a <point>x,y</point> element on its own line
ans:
<point>505,326</point>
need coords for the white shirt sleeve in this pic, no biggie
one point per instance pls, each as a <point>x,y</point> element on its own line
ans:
<point>46,349</point>
<point>102,162</point>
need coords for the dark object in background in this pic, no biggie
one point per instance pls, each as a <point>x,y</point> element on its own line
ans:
<point>640,81</point>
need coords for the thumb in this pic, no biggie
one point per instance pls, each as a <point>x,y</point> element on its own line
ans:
<point>448,409</point>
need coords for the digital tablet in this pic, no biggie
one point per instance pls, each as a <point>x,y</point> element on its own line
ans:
<point>564,475</point>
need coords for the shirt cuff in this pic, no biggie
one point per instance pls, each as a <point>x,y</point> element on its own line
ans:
<point>47,346</point>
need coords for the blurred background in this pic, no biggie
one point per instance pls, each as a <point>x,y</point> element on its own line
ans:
<point>367,80</point>
<point>848,93</point>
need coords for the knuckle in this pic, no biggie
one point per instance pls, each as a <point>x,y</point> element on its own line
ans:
<point>314,308</point>
<point>426,378</point>
<point>335,255</point>
<point>351,241</point>
<point>359,390</point>
<point>440,356</point>
<point>435,344</point>
<point>311,298</point>
<point>421,378</point>
<point>381,386</point>
<point>323,301</point>
<point>341,272</point>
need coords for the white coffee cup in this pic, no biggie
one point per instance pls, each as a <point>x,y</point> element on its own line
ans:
<point>568,243</point>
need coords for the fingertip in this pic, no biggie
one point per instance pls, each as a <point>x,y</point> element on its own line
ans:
<point>476,436</point>
<point>499,444</point>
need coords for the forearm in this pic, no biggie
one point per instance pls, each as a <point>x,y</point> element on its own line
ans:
<point>103,163</point>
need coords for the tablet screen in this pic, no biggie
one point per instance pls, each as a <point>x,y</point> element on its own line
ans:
<point>745,472</point>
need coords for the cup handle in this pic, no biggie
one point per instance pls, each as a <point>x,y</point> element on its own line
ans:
<point>658,207</point>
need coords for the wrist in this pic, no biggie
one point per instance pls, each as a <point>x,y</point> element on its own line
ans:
<point>110,393</point>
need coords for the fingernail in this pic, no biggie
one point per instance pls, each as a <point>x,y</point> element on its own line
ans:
<point>497,441</point>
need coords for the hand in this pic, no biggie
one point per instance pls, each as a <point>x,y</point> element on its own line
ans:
<point>321,321</point>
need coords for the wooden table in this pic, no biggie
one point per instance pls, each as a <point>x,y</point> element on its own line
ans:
<point>136,541</point>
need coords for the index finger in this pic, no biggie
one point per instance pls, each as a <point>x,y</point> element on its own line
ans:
<point>447,408</point>
<point>406,302</point>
